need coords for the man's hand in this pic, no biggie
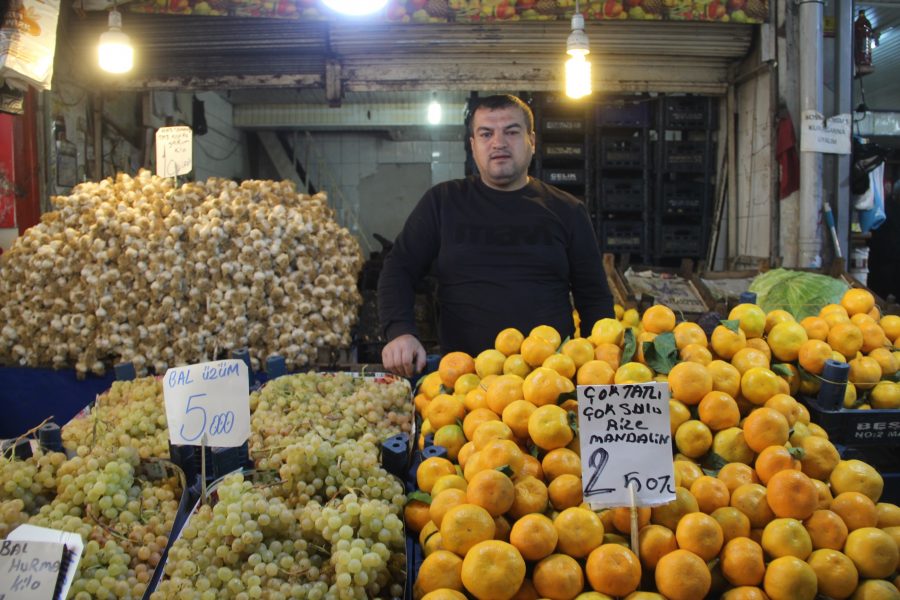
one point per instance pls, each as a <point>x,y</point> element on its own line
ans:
<point>404,355</point>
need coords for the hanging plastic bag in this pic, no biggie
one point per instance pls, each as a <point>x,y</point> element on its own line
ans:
<point>874,216</point>
<point>28,42</point>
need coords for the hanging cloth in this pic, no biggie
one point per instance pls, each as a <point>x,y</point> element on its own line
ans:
<point>788,159</point>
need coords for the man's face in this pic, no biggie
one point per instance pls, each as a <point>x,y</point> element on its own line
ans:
<point>502,147</point>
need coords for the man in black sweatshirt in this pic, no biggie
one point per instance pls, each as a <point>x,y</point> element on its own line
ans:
<point>508,250</point>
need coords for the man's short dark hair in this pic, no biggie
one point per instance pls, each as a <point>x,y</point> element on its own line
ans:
<point>493,103</point>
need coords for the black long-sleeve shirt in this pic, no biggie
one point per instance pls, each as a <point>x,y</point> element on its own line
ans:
<point>502,259</point>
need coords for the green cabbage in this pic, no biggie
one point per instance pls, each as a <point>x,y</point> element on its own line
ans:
<point>800,293</point>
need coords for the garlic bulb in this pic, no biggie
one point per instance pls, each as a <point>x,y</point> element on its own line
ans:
<point>133,268</point>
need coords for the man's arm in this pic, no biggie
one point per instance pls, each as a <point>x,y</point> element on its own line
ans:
<point>404,266</point>
<point>590,291</point>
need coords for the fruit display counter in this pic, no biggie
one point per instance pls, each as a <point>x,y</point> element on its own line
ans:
<point>769,503</point>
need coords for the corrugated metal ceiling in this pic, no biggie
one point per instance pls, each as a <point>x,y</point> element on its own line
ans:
<point>882,87</point>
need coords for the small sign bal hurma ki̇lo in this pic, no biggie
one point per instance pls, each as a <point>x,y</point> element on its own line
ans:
<point>208,404</point>
<point>626,444</point>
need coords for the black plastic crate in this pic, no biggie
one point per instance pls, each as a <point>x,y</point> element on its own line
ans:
<point>622,236</point>
<point>623,113</point>
<point>562,151</point>
<point>876,427</point>
<point>616,151</point>
<point>564,176</point>
<point>561,125</point>
<point>622,194</point>
<point>680,240</point>
<point>685,157</point>
<point>688,112</point>
<point>683,198</point>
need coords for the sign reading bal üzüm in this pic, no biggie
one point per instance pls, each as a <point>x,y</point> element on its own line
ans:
<point>626,442</point>
<point>208,404</point>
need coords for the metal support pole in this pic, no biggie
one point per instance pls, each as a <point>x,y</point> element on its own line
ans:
<point>843,101</point>
<point>810,99</point>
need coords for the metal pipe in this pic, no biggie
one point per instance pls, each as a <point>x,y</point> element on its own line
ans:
<point>810,162</point>
<point>733,250</point>
<point>843,100</point>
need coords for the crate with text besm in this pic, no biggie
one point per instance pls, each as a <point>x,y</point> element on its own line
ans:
<point>875,427</point>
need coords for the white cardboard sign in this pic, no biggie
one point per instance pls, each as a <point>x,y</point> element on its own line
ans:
<point>174,151</point>
<point>37,563</point>
<point>208,400</point>
<point>831,136</point>
<point>625,440</point>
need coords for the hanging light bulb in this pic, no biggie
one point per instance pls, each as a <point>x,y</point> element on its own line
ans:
<point>434,111</point>
<point>355,8</point>
<point>578,68</point>
<point>115,53</point>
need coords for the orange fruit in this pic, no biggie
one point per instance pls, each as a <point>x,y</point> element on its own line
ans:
<point>531,497</point>
<point>633,372</point>
<point>595,372</point>
<point>687,333</point>
<point>453,365</point>
<point>752,319</point>
<point>493,569</point>
<point>562,364</point>
<point>431,469</point>
<point>444,594</point>
<point>826,529</point>
<point>825,496</point>
<point>465,452</point>
<point>744,592</point>
<point>658,319</point>
<point>855,509</point>
<point>558,577</point>
<point>750,499</point>
<point>560,461</point>
<point>516,415</point>
<point>668,515</point>
<point>579,350</point>
<point>465,525</point>
<point>689,382</point>
<point>452,438</point>
<point>509,341</point>
<point>491,490</point>
<point>733,522</point>
<point>695,353</point>
<point>711,493</point>
<point>890,324</point>
<point>534,536</point>
<point>504,390</point>
<point>565,491</point>
<point>888,515</point>
<point>548,427</point>
<point>846,338</point>
<point>535,350</point>
<point>774,317</point>
<point>547,333</point>
<point>490,430</point>
<point>873,337</point>
<point>734,475</point>
<point>611,354</point>
<point>701,534</point>
<point>542,386</point>
<point>789,578</point>
<point>873,551</point>
<point>476,417</point>
<point>726,343</point>
<point>678,414</point>
<point>856,476</point>
<point>440,570</point>
<point>477,398</point>
<point>816,328</point>
<point>465,384</point>
<point>621,518</point>
<point>644,336</point>
<point>731,445</point>
<point>742,562</point>
<point>445,409</point>
<point>443,502</point>
<point>765,427</point>
<point>613,569</point>
<point>448,481</point>
<point>499,453</point>
<point>580,531</point>
<point>682,575</point>
<point>786,405</point>
<point>516,365</point>
<point>865,372</point>
<point>607,331</point>
<point>747,358</point>
<point>693,438</point>
<point>877,589</point>
<point>430,385</point>
<point>772,460</point>
<point>758,384</point>
<point>531,466</point>
<point>886,360</point>
<point>833,309</point>
<point>791,493</point>
<point>885,395</point>
<point>786,537</point>
<point>726,378</point>
<point>857,301</point>
<point>415,514</point>
<point>654,542</point>
<point>837,575</point>
<point>686,472</point>
<point>813,354</point>
<point>489,362</point>
<point>785,340</point>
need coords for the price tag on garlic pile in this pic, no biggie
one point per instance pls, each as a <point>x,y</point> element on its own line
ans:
<point>626,441</point>
<point>174,151</point>
<point>210,398</point>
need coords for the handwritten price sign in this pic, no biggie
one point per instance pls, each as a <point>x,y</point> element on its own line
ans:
<point>625,441</point>
<point>210,400</point>
<point>29,570</point>
<point>174,151</point>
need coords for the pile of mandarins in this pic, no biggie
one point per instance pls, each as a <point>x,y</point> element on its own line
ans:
<point>765,507</point>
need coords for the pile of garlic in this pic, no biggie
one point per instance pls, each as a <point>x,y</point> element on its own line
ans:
<point>135,269</point>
